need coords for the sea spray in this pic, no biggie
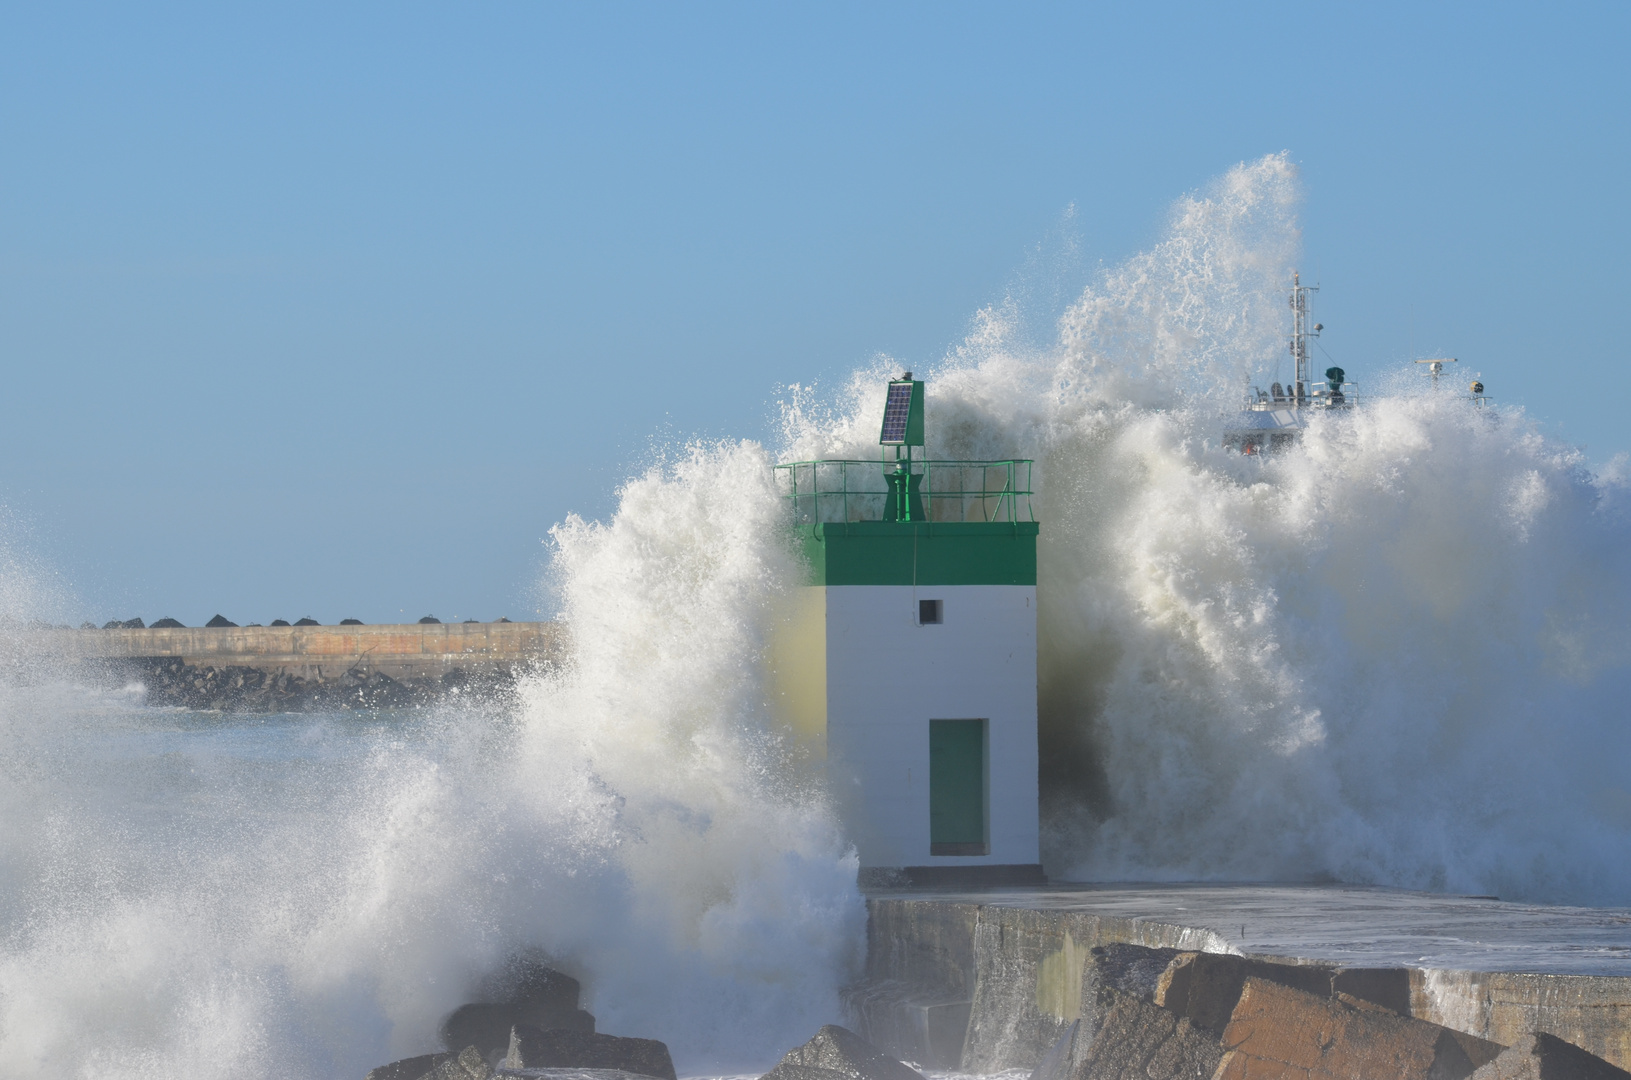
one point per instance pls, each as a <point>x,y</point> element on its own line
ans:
<point>191,895</point>
<point>726,857</point>
<point>1397,654</point>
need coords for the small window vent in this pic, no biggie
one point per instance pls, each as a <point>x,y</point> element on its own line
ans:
<point>929,612</point>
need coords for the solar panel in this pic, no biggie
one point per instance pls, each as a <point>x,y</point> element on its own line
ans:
<point>896,411</point>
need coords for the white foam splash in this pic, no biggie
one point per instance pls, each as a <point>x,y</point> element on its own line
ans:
<point>1397,655</point>
<point>191,896</point>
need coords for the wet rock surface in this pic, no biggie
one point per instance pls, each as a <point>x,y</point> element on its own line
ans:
<point>837,1053</point>
<point>1220,1017</point>
<point>1547,1057</point>
<point>467,1064</point>
<point>535,1028</point>
<point>413,1068</point>
<point>1137,1040</point>
<point>526,993</point>
<point>1128,969</point>
<point>536,1048</point>
<point>1277,1031</point>
<point>490,1026</point>
<point>1205,987</point>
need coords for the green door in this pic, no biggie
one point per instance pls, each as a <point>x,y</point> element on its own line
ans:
<point>957,771</point>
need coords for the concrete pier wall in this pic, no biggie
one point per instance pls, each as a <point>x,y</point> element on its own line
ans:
<point>1013,962</point>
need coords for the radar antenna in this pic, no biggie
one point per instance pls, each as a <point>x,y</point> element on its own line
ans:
<point>1435,368</point>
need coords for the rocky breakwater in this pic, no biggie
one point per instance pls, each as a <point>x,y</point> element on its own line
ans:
<point>537,1030</point>
<point>1160,1014</point>
<point>301,666</point>
<point>1165,1014</point>
<point>987,981</point>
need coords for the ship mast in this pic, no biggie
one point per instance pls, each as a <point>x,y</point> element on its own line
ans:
<point>1301,331</point>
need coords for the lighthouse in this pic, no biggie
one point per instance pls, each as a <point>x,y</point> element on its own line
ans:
<point>908,660</point>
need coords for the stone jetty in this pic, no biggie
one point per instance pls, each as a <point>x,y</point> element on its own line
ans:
<point>1091,982</point>
<point>275,668</point>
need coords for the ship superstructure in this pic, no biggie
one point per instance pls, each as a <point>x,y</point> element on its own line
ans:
<point>1273,419</point>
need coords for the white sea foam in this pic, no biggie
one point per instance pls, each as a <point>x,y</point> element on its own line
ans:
<point>1398,654</point>
<point>191,896</point>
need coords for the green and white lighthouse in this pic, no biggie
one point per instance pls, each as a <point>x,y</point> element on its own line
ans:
<point>910,662</point>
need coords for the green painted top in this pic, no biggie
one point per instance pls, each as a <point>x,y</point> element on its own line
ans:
<point>921,552</point>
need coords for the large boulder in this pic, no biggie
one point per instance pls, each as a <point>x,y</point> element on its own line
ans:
<point>467,1064</point>
<point>837,1053</point>
<point>1138,1040</point>
<point>1547,1057</point>
<point>1207,1015</point>
<point>535,1048</point>
<point>528,993</point>
<point>484,1025</point>
<point>1206,986</point>
<point>1277,1031</point>
<point>1112,974</point>
<point>546,998</point>
<point>1115,971</point>
<point>1130,969</point>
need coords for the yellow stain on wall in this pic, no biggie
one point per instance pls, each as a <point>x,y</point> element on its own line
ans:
<point>1059,981</point>
<point>798,659</point>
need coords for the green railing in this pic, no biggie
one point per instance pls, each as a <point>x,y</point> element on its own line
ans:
<point>833,490</point>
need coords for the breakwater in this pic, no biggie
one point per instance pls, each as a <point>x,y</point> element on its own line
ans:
<point>984,981</point>
<point>282,667</point>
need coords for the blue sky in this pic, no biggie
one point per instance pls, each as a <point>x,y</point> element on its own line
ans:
<point>333,310</point>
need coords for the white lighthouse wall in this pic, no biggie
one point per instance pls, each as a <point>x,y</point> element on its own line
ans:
<point>887,677</point>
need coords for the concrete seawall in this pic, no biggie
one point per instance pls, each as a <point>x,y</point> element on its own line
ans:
<point>985,981</point>
<point>261,668</point>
